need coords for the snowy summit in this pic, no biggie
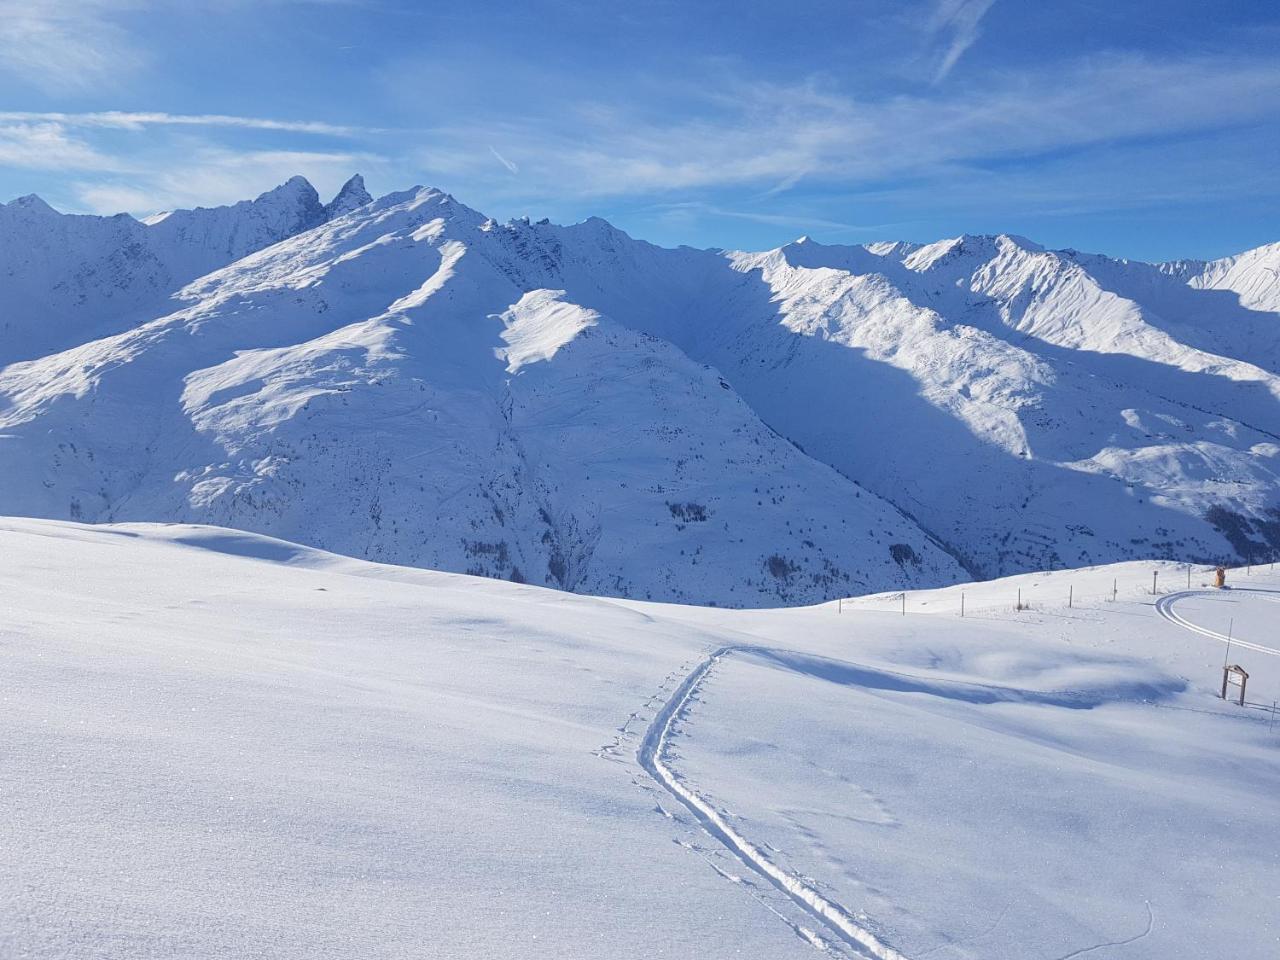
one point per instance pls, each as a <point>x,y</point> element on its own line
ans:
<point>406,380</point>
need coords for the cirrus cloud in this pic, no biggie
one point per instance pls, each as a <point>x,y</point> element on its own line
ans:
<point>140,120</point>
<point>67,46</point>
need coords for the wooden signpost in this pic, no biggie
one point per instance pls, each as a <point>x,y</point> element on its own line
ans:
<point>1234,674</point>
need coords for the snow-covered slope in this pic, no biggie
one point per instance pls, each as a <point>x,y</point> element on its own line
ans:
<point>386,386</point>
<point>1095,409</point>
<point>65,279</point>
<point>1030,408</point>
<point>221,745</point>
<point>1253,275</point>
<point>413,382</point>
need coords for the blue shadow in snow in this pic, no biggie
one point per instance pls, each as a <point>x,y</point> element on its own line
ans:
<point>238,544</point>
<point>848,674</point>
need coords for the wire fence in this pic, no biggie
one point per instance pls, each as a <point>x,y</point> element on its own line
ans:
<point>1057,593</point>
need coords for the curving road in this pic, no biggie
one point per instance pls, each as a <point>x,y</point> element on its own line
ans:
<point>1165,607</point>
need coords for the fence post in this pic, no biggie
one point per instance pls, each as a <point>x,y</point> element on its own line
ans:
<point>1071,593</point>
<point>1115,586</point>
<point>904,603</point>
<point>962,603</point>
<point>1155,574</point>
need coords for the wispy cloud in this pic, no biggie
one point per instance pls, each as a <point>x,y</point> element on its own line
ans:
<point>74,46</point>
<point>47,146</point>
<point>767,135</point>
<point>954,26</point>
<point>66,46</point>
<point>800,221</point>
<point>186,167</point>
<point>760,139</point>
<point>134,120</point>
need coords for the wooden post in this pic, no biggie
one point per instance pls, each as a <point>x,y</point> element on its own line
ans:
<point>1234,674</point>
<point>1188,576</point>
<point>839,604</point>
<point>961,603</point>
<point>904,603</point>
<point>1071,593</point>
<point>1019,598</point>
<point>1155,574</point>
<point>1115,586</point>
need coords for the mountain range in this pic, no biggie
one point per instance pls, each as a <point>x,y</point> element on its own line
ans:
<point>407,380</point>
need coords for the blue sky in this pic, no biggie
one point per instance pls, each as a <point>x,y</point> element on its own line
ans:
<point>1136,129</point>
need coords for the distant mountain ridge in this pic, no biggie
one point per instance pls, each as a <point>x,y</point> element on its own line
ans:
<point>408,380</point>
<point>65,277</point>
<point>1254,275</point>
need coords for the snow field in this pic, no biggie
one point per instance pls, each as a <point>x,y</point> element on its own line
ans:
<point>220,744</point>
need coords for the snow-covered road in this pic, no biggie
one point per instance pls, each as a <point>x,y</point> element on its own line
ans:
<point>1165,607</point>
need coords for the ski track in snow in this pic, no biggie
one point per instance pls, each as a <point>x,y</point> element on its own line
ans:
<point>1165,605</point>
<point>1114,943</point>
<point>834,916</point>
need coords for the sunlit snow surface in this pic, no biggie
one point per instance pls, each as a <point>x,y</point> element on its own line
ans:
<point>220,745</point>
<point>411,382</point>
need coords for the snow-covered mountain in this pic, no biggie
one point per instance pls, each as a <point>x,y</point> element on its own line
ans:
<point>407,380</point>
<point>1254,275</point>
<point>65,279</point>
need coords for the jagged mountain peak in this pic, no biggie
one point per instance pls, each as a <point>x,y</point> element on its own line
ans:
<point>297,185</point>
<point>566,404</point>
<point>597,224</point>
<point>296,192</point>
<point>352,196</point>
<point>969,247</point>
<point>73,278</point>
<point>420,195</point>
<point>29,206</point>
